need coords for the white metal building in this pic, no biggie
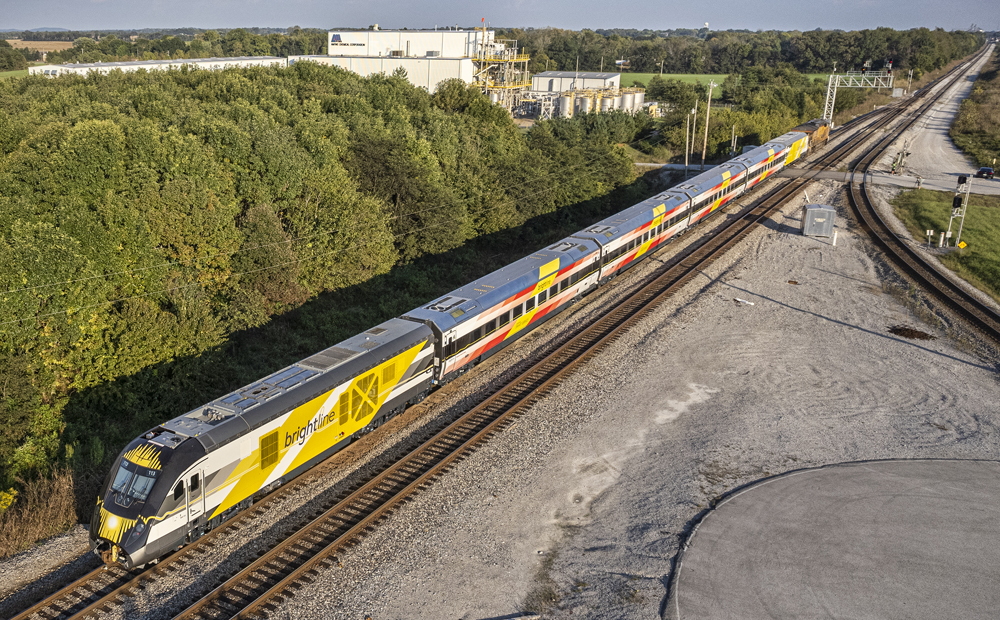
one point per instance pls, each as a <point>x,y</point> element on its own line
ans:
<point>558,81</point>
<point>211,64</point>
<point>425,72</point>
<point>408,43</point>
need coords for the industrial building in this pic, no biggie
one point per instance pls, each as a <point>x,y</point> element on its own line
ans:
<point>210,64</point>
<point>558,81</point>
<point>426,72</point>
<point>430,57</point>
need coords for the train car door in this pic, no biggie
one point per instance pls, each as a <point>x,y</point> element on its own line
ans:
<point>195,498</point>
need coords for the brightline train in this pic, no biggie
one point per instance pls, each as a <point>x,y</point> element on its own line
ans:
<point>188,475</point>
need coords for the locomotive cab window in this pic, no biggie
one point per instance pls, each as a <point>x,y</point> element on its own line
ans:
<point>142,485</point>
<point>194,483</point>
<point>134,481</point>
<point>179,490</point>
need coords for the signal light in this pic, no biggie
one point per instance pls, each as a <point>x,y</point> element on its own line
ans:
<point>962,180</point>
<point>956,203</point>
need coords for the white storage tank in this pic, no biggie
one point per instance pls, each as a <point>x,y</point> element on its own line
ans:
<point>566,106</point>
<point>494,97</point>
<point>584,104</point>
<point>640,99</point>
<point>628,100</point>
<point>607,104</point>
<point>617,103</point>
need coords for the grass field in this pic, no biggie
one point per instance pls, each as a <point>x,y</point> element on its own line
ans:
<point>42,46</point>
<point>629,78</point>
<point>13,74</point>
<point>979,263</point>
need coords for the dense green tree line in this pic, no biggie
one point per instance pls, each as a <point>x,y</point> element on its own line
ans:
<point>815,51</point>
<point>145,218</point>
<point>207,44</point>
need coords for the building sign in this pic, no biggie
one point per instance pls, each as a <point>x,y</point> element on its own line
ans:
<point>336,41</point>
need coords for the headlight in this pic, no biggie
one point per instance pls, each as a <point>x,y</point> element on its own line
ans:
<point>140,527</point>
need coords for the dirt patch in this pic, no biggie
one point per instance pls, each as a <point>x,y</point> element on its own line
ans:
<point>911,333</point>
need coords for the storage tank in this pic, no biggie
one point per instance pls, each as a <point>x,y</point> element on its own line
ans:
<point>607,104</point>
<point>640,99</point>
<point>584,104</point>
<point>494,97</point>
<point>628,100</point>
<point>617,103</point>
<point>566,106</point>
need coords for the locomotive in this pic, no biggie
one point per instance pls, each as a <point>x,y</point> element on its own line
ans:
<point>188,475</point>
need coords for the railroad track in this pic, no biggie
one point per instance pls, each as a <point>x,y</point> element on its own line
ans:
<point>926,275</point>
<point>262,584</point>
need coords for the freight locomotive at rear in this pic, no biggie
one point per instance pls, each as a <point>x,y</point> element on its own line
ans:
<point>188,475</point>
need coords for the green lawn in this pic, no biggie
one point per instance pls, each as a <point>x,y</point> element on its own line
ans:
<point>629,78</point>
<point>979,263</point>
<point>13,74</point>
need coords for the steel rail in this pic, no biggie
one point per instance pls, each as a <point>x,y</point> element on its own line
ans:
<point>981,316</point>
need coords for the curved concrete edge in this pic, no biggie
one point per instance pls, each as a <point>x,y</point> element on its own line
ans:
<point>669,609</point>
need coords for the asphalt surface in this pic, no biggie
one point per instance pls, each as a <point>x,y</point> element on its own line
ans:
<point>884,539</point>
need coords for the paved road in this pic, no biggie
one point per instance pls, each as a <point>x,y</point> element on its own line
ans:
<point>934,156</point>
<point>886,539</point>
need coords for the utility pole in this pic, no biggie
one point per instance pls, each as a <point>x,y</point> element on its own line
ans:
<point>909,79</point>
<point>687,143</point>
<point>732,143</point>
<point>694,127</point>
<point>708,111</point>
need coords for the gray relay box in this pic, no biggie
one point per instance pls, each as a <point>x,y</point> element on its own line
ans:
<point>817,220</point>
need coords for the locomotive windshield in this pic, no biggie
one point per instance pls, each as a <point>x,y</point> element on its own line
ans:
<point>133,481</point>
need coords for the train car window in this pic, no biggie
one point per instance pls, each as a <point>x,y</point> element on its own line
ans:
<point>504,318</point>
<point>463,342</point>
<point>529,305</point>
<point>477,334</point>
<point>491,326</point>
<point>179,490</point>
<point>518,310</point>
<point>194,483</point>
<point>543,296</point>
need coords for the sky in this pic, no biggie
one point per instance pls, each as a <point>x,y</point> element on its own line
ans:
<point>574,15</point>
